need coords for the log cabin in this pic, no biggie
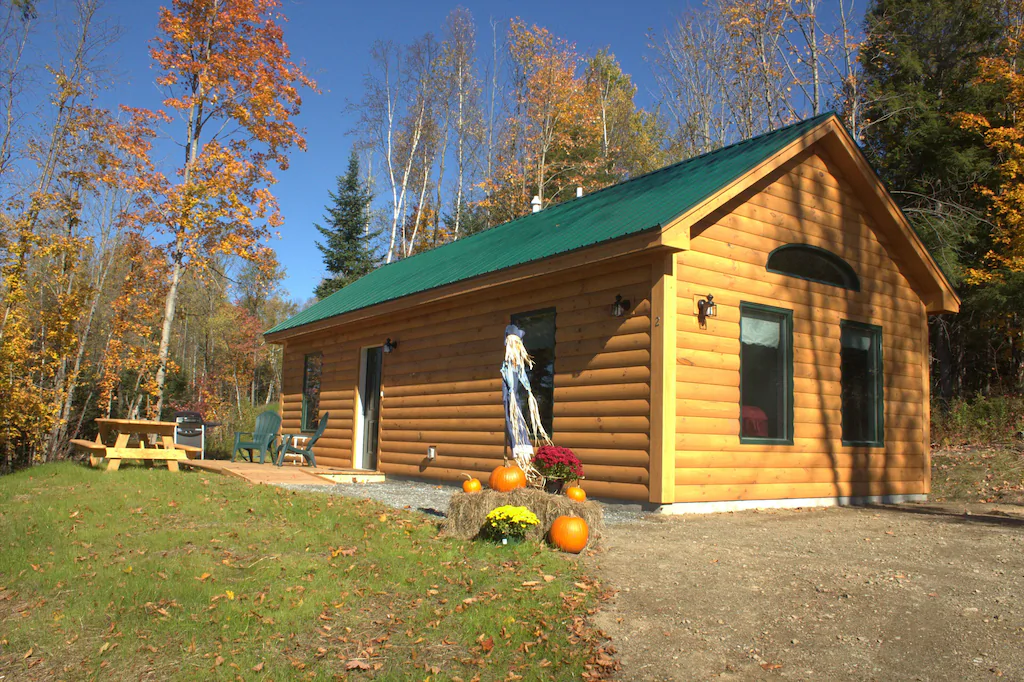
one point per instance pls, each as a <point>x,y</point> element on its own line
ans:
<point>747,328</point>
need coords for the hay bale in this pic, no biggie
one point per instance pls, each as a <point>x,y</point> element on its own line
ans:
<point>467,512</point>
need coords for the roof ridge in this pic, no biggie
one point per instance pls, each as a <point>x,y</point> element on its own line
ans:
<point>823,116</point>
<point>605,214</point>
<point>571,200</point>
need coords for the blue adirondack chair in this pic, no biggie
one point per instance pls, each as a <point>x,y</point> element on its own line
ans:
<point>288,446</point>
<point>262,438</point>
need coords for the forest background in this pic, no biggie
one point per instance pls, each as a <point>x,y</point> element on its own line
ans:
<point>140,233</point>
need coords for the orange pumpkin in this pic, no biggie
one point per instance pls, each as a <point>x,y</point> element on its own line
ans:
<point>507,478</point>
<point>470,485</point>
<point>576,493</point>
<point>569,534</point>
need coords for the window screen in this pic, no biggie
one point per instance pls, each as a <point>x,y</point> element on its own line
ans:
<point>540,343</point>
<point>812,263</point>
<point>862,384</point>
<point>766,374</point>
<point>311,391</point>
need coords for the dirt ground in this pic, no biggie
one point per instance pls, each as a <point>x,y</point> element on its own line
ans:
<point>833,594</point>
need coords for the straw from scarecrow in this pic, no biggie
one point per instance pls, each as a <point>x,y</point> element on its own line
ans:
<point>514,377</point>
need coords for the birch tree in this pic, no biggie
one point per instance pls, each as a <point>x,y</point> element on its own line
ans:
<point>460,60</point>
<point>690,65</point>
<point>393,116</point>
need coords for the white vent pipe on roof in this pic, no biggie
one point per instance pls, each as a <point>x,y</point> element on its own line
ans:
<point>579,192</point>
<point>535,204</point>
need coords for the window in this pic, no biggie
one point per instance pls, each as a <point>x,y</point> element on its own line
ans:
<point>814,264</point>
<point>311,391</point>
<point>861,361</point>
<point>540,343</point>
<point>766,374</point>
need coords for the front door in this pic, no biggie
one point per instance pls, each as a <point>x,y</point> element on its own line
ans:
<point>370,394</point>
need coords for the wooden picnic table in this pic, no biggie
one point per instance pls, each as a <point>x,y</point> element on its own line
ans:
<point>155,443</point>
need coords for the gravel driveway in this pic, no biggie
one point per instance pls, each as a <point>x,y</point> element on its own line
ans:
<point>834,594</point>
<point>432,498</point>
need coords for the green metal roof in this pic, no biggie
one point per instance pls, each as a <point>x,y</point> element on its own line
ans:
<point>636,205</point>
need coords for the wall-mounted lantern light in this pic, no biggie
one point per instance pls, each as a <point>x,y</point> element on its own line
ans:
<point>620,306</point>
<point>431,452</point>
<point>390,345</point>
<point>706,308</point>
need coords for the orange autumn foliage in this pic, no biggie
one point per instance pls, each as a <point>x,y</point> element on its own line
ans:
<point>553,142</point>
<point>132,348</point>
<point>46,264</point>
<point>1003,133</point>
<point>230,78</point>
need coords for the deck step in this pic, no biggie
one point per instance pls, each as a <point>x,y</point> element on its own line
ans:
<point>354,476</point>
<point>288,474</point>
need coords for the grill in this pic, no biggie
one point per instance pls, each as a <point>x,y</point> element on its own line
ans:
<point>191,430</point>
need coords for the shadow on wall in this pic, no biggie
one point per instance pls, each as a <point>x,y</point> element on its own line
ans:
<point>802,205</point>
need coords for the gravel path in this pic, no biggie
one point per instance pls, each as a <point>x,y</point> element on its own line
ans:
<point>837,594</point>
<point>432,498</point>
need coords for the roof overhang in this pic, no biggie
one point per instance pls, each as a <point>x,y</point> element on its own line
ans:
<point>909,253</point>
<point>906,248</point>
<point>652,241</point>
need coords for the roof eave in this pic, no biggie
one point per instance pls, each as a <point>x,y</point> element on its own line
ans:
<point>651,240</point>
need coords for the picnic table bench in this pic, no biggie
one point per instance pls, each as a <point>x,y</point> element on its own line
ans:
<point>161,449</point>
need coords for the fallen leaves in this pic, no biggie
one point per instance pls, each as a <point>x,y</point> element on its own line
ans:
<point>358,617</point>
<point>487,644</point>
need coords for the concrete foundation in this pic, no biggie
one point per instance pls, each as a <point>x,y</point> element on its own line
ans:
<point>744,505</point>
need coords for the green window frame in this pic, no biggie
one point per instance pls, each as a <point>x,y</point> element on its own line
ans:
<point>312,371</point>
<point>813,264</point>
<point>539,340</point>
<point>779,404</point>
<point>863,399</point>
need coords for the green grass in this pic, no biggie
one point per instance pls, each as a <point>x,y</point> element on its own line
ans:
<point>149,574</point>
<point>982,474</point>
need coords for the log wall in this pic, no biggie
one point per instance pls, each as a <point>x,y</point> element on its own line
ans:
<point>441,386</point>
<point>808,203</point>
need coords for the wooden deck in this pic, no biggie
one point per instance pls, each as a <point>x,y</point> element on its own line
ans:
<point>289,473</point>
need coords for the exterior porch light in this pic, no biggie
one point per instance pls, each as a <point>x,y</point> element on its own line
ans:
<point>620,306</point>
<point>705,308</point>
<point>390,345</point>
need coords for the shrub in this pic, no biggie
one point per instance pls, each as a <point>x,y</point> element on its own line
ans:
<point>220,438</point>
<point>981,420</point>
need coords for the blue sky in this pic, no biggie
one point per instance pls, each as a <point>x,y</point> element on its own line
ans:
<point>334,39</point>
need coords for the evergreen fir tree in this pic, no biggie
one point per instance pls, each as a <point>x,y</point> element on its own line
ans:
<point>347,248</point>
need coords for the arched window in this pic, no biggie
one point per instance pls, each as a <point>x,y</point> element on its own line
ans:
<point>814,264</point>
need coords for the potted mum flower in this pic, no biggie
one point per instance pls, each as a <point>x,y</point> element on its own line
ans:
<point>557,465</point>
<point>508,524</point>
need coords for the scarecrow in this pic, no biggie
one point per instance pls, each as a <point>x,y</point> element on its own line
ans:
<point>513,375</point>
